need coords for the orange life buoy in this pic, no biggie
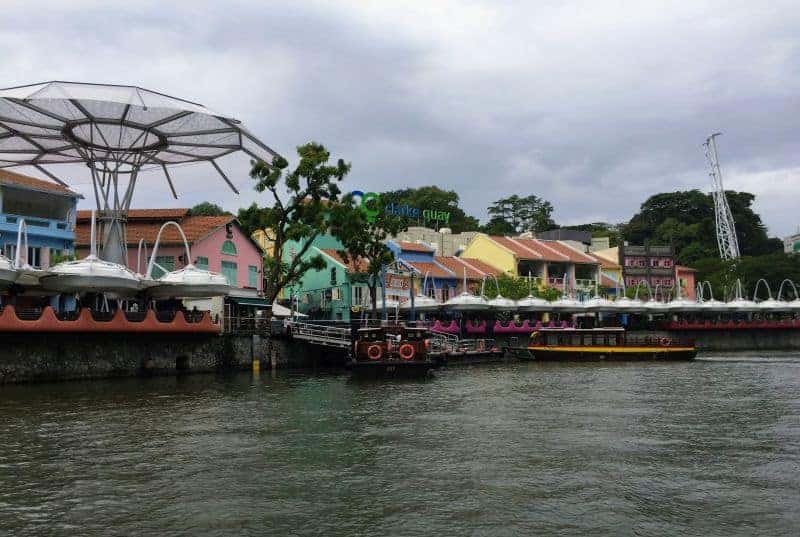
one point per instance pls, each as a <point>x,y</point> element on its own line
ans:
<point>374,352</point>
<point>407,351</point>
<point>665,342</point>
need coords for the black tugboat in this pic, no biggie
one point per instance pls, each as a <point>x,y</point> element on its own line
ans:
<point>393,351</point>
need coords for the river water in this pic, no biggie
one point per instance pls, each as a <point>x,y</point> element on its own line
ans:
<point>704,448</point>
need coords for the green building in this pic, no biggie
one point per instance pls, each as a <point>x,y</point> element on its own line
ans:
<point>329,293</point>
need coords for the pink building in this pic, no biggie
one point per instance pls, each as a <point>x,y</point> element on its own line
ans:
<point>217,243</point>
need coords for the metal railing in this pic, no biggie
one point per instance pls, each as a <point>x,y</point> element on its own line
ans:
<point>329,336</point>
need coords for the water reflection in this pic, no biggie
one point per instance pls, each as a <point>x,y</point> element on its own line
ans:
<point>599,449</point>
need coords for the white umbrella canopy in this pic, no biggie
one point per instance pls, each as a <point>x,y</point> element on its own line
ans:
<point>533,303</point>
<point>597,303</point>
<point>629,305</point>
<point>466,302</point>
<point>567,304</point>
<point>91,275</point>
<point>713,305</point>
<point>656,306</point>
<point>772,305</point>
<point>421,303</point>
<point>683,304</point>
<point>501,303</point>
<point>115,131</point>
<point>189,282</point>
<point>8,274</point>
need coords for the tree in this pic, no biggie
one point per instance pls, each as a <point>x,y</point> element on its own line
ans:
<point>312,188</point>
<point>252,218</point>
<point>530,213</point>
<point>435,199</point>
<point>364,240</point>
<point>687,220</point>
<point>207,208</point>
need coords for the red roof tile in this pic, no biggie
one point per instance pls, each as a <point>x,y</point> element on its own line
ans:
<point>432,269</point>
<point>572,254</point>
<point>354,265</point>
<point>520,250</point>
<point>413,247</point>
<point>8,177</point>
<point>145,214</point>
<point>195,228</point>
<point>605,281</point>
<point>604,263</point>
<point>685,269</point>
<point>475,268</point>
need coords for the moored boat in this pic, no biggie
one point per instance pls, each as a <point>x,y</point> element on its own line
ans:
<point>391,351</point>
<point>605,344</point>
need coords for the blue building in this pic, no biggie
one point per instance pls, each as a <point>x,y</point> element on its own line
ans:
<point>49,211</point>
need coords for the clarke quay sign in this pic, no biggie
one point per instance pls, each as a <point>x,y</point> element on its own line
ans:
<point>370,203</point>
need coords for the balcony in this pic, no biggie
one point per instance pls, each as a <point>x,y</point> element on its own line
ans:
<point>60,229</point>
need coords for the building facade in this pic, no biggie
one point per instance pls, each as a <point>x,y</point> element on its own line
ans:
<point>648,266</point>
<point>217,243</point>
<point>552,263</point>
<point>440,277</point>
<point>442,241</point>
<point>49,211</point>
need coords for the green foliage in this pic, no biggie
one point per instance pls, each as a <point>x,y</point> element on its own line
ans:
<point>252,218</point>
<point>433,198</point>
<point>365,239</point>
<point>55,259</point>
<point>601,229</point>
<point>207,208</point>
<point>749,269</point>
<point>517,214</point>
<point>311,187</point>
<point>686,220</point>
<point>518,288</point>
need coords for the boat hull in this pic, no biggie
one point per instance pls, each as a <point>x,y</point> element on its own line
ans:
<point>609,353</point>
<point>391,369</point>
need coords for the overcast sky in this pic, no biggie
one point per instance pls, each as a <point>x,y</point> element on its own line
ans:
<point>593,106</point>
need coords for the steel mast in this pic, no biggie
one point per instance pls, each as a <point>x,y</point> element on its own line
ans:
<point>726,230</point>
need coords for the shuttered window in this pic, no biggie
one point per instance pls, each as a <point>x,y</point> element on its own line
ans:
<point>166,261</point>
<point>229,269</point>
<point>252,276</point>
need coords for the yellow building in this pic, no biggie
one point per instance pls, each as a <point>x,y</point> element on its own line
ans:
<point>551,262</point>
<point>263,237</point>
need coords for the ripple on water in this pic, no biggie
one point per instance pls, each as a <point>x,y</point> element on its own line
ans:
<point>711,447</point>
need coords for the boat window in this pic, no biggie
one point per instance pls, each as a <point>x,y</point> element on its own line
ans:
<point>575,339</point>
<point>587,339</point>
<point>612,339</point>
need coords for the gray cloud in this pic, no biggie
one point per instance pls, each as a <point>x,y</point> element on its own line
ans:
<point>591,106</point>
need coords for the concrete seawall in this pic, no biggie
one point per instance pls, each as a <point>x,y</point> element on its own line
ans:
<point>48,357</point>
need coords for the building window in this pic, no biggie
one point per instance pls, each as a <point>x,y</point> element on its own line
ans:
<point>333,276</point>
<point>252,276</point>
<point>445,294</point>
<point>431,292</point>
<point>35,256</point>
<point>336,293</point>
<point>228,248</point>
<point>358,295</point>
<point>229,269</point>
<point>167,264</point>
<point>202,263</point>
